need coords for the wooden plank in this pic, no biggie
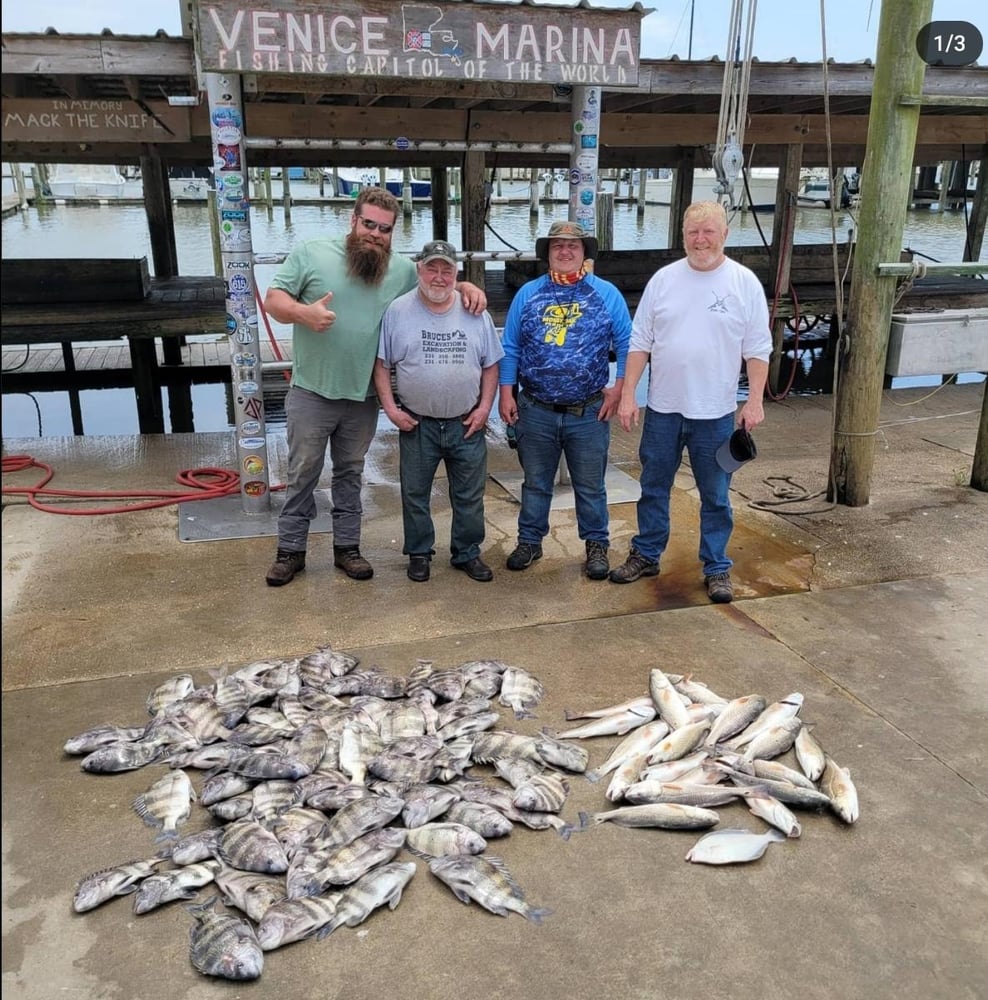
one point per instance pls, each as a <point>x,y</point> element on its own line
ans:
<point>58,280</point>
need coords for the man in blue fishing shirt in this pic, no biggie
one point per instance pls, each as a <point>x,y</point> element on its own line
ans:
<point>558,338</point>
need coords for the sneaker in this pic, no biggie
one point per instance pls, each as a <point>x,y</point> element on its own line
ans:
<point>524,555</point>
<point>720,590</point>
<point>352,562</point>
<point>635,566</point>
<point>596,566</point>
<point>418,568</point>
<point>476,569</point>
<point>286,565</point>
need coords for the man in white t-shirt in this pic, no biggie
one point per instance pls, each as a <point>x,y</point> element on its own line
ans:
<point>698,320</point>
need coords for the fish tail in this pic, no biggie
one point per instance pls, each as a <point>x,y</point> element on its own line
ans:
<point>593,776</point>
<point>538,914</point>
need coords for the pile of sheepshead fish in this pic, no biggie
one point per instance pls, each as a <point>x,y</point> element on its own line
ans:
<point>318,774</point>
<point>688,751</point>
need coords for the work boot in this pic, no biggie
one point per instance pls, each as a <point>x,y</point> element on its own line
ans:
<point>349,559</point>
<point>720,590</point>
<point>286,565</point>
<point>634,567</point>
<point>476,569</point>
<point>418,568</point>
<point>524,555</point>
<point>596,566</point>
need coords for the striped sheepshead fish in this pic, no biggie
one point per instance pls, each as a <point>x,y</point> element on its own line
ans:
<point>223,945</point>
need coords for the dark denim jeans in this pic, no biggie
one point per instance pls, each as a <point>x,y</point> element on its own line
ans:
<point>543,436</point>
<point>664,436</point>
<point>420,452</point>
<point>347,428</point>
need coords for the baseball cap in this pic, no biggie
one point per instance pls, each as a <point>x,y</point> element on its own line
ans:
<point>438,250</point>
<point>566,231</point>
<point>736,450</point>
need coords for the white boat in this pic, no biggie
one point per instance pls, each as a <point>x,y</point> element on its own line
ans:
<point>815,190</point>
<point>189,183</point>
<point>86,181</point>
<point>352,179</point>
<point>762,182</point>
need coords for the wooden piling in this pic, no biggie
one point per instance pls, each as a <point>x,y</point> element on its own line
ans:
<point>886,178</point>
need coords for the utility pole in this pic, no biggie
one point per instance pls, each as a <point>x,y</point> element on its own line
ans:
<point>886,178</point>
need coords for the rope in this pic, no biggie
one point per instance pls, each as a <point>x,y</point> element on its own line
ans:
<point>786,490</point>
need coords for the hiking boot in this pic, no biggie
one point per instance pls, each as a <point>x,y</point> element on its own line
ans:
<point>418,568</point>
<point>596,566</point>
<point>286,565</point>
<point>476,569</point>
<point>635,566</point>
<point>720,590</point>
<point>524,555</point>
<point>352,562</point>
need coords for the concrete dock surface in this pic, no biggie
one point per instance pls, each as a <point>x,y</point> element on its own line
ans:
<point>874,614</point>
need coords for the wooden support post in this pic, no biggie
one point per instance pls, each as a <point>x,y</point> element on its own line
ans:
<point>605,220</point>
<point>286,195</point>
<point>439,177</point>
<point>943,201</point>
<point>147,386</point>
<point>979,470</point>
<point>268,196</point>
<point>406,192</point>
<point>161,227</point>
<point>473,213</point>
<point>640,203</point>
<point>979,215</point>
<point>533,191</point>
<point>214,232</point>
<point>886,179</point>
<point>780,252</point>
<point>680,197</point>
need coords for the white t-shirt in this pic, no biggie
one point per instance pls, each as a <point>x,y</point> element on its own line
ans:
<point>697,326</point>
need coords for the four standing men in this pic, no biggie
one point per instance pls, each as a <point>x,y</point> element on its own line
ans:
<point>698,320</point>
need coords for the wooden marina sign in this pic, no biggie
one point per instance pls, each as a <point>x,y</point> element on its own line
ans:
<point>576,46</point>
<point>64,119</point>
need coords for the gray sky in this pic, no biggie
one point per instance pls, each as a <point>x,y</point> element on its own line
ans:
<point>784,29</point>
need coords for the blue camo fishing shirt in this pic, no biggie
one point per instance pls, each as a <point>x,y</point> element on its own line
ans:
<point>558,338</point>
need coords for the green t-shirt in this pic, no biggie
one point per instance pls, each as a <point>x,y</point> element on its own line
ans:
<point>339,363</point>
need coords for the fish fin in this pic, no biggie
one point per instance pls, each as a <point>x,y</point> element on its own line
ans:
<point>166,834</point>
<point>570,716</point>
<point>524,713</point>
<point>565,830</point>
<point>326,930</point>
<point>419,854</point>
<point>538,915</point>
<point>584,823</point>
<point>593,776</point>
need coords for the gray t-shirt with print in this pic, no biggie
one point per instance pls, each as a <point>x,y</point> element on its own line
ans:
<point>437,357</point>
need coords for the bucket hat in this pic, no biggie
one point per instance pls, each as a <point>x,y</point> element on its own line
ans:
<point>736,450</point>
<point>566,231</point>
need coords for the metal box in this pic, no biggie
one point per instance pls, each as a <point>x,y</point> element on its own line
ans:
<point>942,343</point>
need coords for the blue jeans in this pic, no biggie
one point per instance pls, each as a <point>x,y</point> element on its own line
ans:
<point>347,428</point>
<point>543,436</point>
<point>660,451</point>
<point>420,452</point>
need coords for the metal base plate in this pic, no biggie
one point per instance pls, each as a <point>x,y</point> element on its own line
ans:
<point>621,488</point>
<point>224,518</point>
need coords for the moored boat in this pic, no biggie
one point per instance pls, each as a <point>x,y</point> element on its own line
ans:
<point>351,179</point>
<point>86,181</point>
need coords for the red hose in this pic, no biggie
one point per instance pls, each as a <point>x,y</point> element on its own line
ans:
<point>202,484</point>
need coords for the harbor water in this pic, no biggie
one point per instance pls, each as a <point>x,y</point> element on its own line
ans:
<point>120,230</point>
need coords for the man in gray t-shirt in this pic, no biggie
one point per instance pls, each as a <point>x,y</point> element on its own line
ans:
<point>445,365</point>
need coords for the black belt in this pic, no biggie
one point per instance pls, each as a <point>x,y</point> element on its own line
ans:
<point>574,409</point>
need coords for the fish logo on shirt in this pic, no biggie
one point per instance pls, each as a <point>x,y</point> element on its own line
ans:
<point>557,320</point>
<point>720,304</point>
